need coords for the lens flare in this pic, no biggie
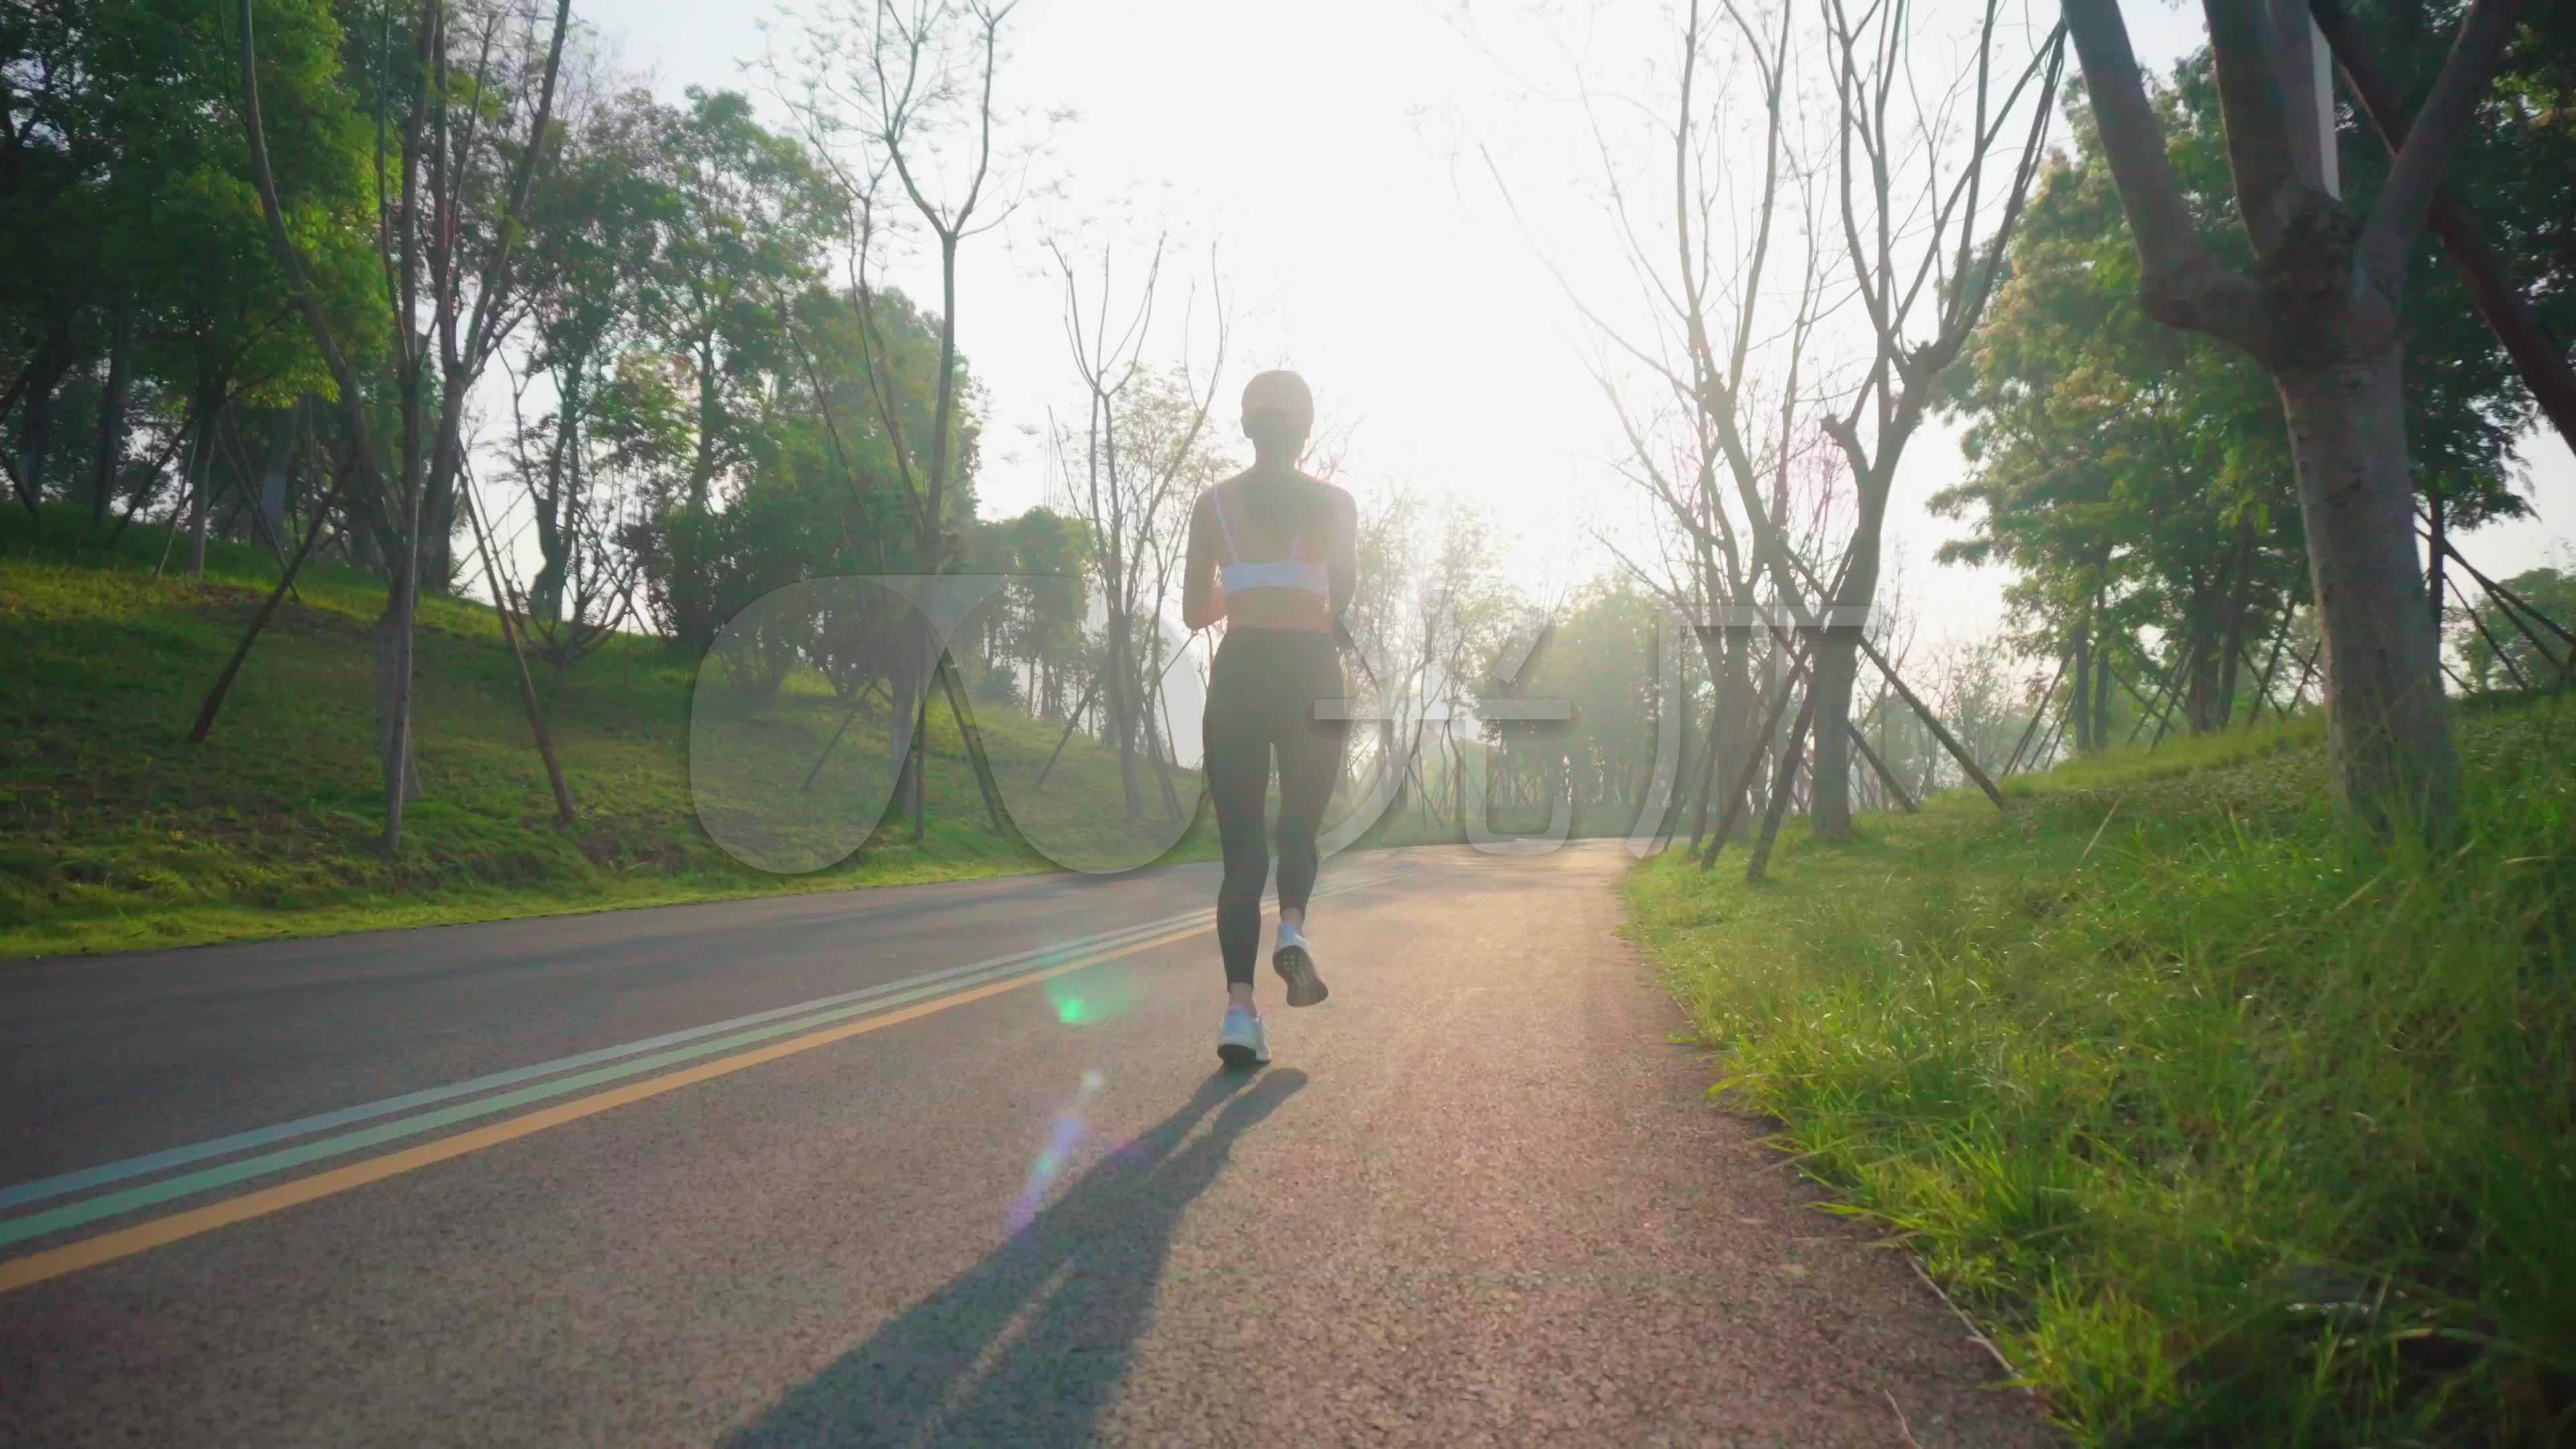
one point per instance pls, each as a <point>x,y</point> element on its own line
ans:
<point>1062,1137</point>
<point>1088,997</point>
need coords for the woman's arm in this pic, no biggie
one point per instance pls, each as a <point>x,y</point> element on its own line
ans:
<point>1202,601</point>
<point>1343,563</point>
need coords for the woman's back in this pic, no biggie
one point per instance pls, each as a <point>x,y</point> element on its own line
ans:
<point>1280,546</point>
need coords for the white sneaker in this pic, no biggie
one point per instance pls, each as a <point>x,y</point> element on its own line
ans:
<point>1295,963</point>
<point>1241,1042</point>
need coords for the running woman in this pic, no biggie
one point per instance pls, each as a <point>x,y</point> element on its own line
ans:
<point>1273,553</point>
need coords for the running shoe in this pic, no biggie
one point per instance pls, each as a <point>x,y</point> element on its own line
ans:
<point>1295,964</point>
<point>1241,1042</point>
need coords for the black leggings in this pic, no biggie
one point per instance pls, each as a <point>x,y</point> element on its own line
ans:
<point>1263,693</point>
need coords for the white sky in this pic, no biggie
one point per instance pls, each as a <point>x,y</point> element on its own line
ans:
<point>1328,148</point>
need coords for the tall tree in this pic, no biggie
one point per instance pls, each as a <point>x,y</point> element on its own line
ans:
<point>594,238</point>
<point>1922,240</point>
<point>470,142</point>
<point>2321,317</point>
<point>876,84</point>
<point>1132,471</point>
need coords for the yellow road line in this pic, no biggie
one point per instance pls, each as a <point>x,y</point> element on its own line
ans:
<point>108,1247</point>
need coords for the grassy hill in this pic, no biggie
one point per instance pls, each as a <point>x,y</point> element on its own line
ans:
<point>115,833</point>
<point>2228,1130</point>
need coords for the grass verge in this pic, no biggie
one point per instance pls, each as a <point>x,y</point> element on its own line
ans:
<point>2229,1129</point>
<point>115,833</point>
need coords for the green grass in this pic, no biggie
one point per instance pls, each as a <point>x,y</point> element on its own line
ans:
<point>115,833</point>
<point>2231,1130</point>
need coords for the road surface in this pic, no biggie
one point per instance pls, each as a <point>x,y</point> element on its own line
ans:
<point>932,1165</point>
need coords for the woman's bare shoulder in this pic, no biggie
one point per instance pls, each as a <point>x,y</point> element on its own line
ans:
<point>1229,486</point>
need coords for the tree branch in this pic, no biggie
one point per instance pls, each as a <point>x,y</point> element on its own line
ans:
<point>2180,283</point>
<point>2417,174</point>
<point>2542,362</point>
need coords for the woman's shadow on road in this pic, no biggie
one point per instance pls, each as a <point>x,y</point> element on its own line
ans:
<point>1083,1274</point>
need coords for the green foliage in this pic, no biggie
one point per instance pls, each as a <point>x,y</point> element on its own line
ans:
<point>2120,466</point>
<point>2232,1130</point>
<point>129,184</point>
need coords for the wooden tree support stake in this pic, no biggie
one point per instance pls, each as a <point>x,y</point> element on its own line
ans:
<point>2489,635</point>
<point>1800,669</point>
<point>1940,732</point>
<point>973,739</point>
<point>1743,786</point>
<point>2263,688</point>
<point>285,581</point>
<point>1778,806</point>
<point>504,602</point>
<point>1072,718</point>
<point>2039,714</point>
<point>2513,606</point>
<point>835,742</point>
<point>2173,696</point>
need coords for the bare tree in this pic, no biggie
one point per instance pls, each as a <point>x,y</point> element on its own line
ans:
<point>1923,243</point>
<point>585,585</point>
<point>1728,358</point>
<point>880,86</point>
<point>1134,471</point>
<point>2321,319</point>
<point>1432,604</point>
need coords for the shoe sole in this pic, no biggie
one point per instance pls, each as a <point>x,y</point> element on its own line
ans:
<point>1295,967</point>
<point>1238,1056</point>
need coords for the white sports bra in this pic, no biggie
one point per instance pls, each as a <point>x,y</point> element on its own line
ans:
<point>1237,574</point>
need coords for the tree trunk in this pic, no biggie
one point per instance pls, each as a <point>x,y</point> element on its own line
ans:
<point>545,590</point>
<point>272,479</point>
<point>1838,664</point>
<point>399,757</point>
<point>1731,810</point>
<point>2438,517</point>
<point>201,456</point>
<point>438,518</point>
<point>2200,707</point>
<point>1122,714</point>
<point>2081,701</point>
<point>903,716</point>
<point>1678,802</point>
<point>702,467</point>
<point>1726,675</point>
<point>2387,724</point>
<point>111,415</point>
<point>36,438</point>
<point>1780,790</point>
<point>920,764</point>
<point>1151,696</point>
<point>2240,601</point>
<point>2101,681</point>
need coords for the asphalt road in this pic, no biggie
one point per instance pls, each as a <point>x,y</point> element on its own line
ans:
<point>932,1165</point>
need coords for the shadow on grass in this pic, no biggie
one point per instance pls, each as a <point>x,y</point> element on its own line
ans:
<point>1078,1283</point>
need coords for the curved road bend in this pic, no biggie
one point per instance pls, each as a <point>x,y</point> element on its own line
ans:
<point>931,1165</point>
